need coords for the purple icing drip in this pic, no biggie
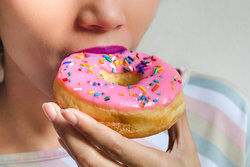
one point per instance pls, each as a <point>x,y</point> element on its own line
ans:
<point>105,49</point>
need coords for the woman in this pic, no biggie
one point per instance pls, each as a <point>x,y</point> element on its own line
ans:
<point>36,35</point>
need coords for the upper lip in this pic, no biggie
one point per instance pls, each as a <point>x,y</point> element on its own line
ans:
<point>111,49</point>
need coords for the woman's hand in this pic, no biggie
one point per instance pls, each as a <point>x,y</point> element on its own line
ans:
<point>91,143</point>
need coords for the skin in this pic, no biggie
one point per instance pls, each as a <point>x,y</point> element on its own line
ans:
<point>37,35</point>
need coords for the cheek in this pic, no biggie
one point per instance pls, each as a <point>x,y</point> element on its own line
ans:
<point>32,33</point>
<point>42,21</point>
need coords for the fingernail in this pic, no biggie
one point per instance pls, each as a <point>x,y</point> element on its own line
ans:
<point>49,111</point>
<point>69,116</point>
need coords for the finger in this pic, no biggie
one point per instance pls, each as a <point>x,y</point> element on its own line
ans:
<point>64,146</point>
<point>111,142</point>
<point>83,152</point>
<point>76,145</point>
<point>180,135</point>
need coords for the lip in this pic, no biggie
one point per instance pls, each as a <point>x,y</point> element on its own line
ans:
<point>103,49</point>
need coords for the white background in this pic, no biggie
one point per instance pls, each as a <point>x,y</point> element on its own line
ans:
<point>211,36</point>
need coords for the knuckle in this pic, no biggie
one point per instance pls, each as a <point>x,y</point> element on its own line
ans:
<point>63,132</point>
<point>159,157</point>
<point>87,161</point>
<point>116,148</point>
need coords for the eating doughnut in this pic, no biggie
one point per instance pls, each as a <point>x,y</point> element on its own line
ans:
<point>133,93</point>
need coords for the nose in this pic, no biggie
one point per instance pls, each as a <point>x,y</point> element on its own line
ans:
<point>101,15</point>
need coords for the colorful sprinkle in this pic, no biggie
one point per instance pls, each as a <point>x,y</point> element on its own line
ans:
<point>69,73</point>
<point>129,61</point>
<point>142,71</point>
<point>77,89</point>
<point>107,58</point>
<point>65,79</point>
<point>153,58</point>
<point>91,92</point>
<point>159,69</point>
<point>96,94</point>
<point>101,61</point>
<point>79,57</point>
<point>156,81</point>
<point>131,58</point>
<point>91,71</point>
<point>116,63</point>
<point>142,88</point>
<point>123,51</point>
<point>125,63</point>
<point>66,62</point>
<point>121,94</point>
<point>155,100</point>
<point>137,55</point>
<point>155,87</point>
<point>131,69</point>
<point>125,69</point>
<point>107,98</point>
<point>142,97</point>
<point>156,69</point>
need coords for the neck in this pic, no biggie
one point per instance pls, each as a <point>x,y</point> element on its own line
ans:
<point>22,121</point>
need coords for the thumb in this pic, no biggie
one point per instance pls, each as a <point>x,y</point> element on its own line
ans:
<point>180,136</point>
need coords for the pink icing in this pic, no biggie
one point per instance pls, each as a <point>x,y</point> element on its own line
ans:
<point>78,64</point>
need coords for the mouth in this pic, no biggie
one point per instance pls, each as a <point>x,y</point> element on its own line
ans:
<point>104,49</point>
<point>112,49</point>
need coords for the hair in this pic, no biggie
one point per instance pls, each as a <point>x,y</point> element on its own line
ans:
<point>1,62</point>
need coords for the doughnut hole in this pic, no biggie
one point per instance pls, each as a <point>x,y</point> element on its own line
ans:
<point>123,79</point>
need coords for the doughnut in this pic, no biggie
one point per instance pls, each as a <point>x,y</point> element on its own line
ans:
<point>135,94</point>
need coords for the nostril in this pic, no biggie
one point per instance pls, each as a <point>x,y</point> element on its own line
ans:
<point>95,27</point>
<point>119,26</point>
<point>101,28</point>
